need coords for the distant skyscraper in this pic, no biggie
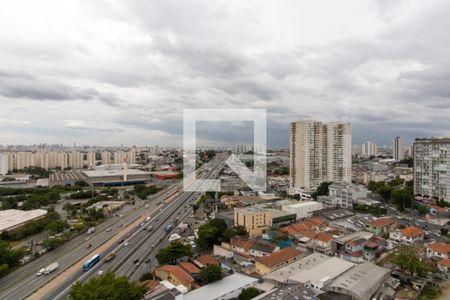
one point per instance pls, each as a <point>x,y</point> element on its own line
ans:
<point>319,152</point>
<point>398,148</point>
<point>106,158</point>
<point>369,149</point>
<point>432,168</point>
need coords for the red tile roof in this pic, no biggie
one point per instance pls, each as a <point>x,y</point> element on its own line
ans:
<point>324,237</point>
<point>242,243</point>
<point>412,231</point>
<point>208,260</point>
<point>440,247</point>
<point>444,262</point>
<point>176,271</point>
<point>189,267</point>
<point>278,257</point>
<point>381,222</point>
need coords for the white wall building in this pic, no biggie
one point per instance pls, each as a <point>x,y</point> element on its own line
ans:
<point>345,194</point>
<point>432,168</point>
<point>302,209</point>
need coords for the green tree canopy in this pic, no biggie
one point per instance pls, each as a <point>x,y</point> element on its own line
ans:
<point>211,233</point>
<point>210,273</point>
<point>107,287</point>
<point>408,259</point>
<point>248,294</point>
<point>322,189</point>
<point>173,252</point>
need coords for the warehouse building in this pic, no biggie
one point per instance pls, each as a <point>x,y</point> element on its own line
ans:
<point>360,282</point>
<point>113,177</point>
<point>11,219</point>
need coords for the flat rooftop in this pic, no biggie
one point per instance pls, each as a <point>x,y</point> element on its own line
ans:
<point>13,218</point>
<point>283,274</point>
<point>107,173</point>
<point>221,287</point>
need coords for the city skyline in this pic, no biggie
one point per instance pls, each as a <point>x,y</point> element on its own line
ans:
<point>122,73</point>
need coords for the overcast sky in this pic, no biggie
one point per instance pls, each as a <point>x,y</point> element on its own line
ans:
<point>120,72</point>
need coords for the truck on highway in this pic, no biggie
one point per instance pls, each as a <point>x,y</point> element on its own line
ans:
<point>110,256</point>
<point>50,268</point>
<point>91,230</point>
<point>168,228</point>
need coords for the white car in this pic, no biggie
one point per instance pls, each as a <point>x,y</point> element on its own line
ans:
<point>100,273</point>
<point>125,244</point>
<point>40,272</point>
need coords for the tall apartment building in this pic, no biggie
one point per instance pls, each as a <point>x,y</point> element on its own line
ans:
<point>432,168</point>
<point>91,159</point>
<point>6,163</point>
<point>119,157</point>
<point>368,149</point>
<point>24,160</point>
<point>106,158</point>
<point>76,160</point>
<point>398,148</point>
<point>319,152</point>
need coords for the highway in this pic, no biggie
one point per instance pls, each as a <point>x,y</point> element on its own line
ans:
<point>143,244</point>
<point>24,281</point>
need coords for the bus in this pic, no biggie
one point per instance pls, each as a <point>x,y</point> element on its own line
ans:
<point>92,262</point>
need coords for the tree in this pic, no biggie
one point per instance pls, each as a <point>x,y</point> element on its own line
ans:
<point>248,294</point>
<point>231,232</point>
<point>211,233</point>
<point>322,189</point>
<point>444,231</point>
<point>408,259</point>
<point>9,258</point>
<point>173,252</point>
<point>107,287</point>
<point>401,198</point>
<point>210,273</point>
<point>384,191</point>
<point>146,276</point>
<point>81,183</point>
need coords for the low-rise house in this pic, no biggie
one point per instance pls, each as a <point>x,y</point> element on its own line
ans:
<point>373,248</point>
<point>190,268</point>
<point>381,226</point>
<point>254,248</point>
<point>444,265</point>
<point>316,241</point>
<point>441,250</point>
<point>354,250</point>
<point>271,262</point>
<point>207,259</point>
<point>175,275</point>
<point>409,235</point>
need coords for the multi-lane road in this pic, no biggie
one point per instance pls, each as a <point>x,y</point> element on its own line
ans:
<point>170,206</point>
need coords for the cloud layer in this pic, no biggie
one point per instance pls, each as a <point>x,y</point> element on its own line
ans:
<point>120,72</point>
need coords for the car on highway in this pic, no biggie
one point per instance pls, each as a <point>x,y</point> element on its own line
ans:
<point>136,262</point>
<point>100,273</point>
<point>108,230</point>
<point>125,244</point>
<point>88,246</point>
<point>40,272</point>
<point>120,242</point>
<point>147,260</point>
